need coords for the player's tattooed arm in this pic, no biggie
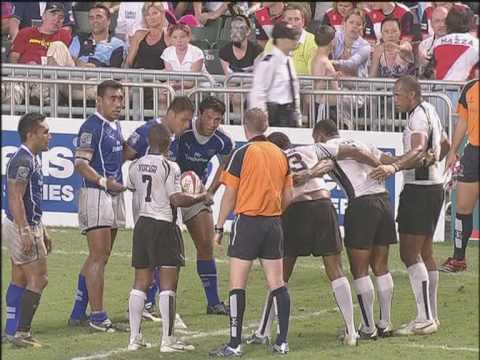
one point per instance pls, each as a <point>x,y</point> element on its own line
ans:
<point>320,169</point>
<point>360,154</point>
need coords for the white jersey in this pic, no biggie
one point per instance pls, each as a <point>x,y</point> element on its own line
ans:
<point>302,158</point>
<point>153,179</point>
<point>424,120</point>
<point>352,175</point>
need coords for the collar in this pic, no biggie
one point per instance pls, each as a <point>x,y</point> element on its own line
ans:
<point>302,37</point>
<point>25,147</point>
<point>258,138</point>
<point>112,124</point>
<point>414,108</point>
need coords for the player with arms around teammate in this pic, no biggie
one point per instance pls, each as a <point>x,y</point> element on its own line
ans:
<point>203,140</point>
<point>177,119</point>
<point>101,208</point>
<point>258,187</point>
<point>369,229</point>
<point>157,240</point>
<point>23,232</point>
<point>420,200</point>
<point>310,225</point>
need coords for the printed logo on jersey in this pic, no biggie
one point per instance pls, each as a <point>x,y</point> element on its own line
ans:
<point>22,172</point>
<point>86,139</point>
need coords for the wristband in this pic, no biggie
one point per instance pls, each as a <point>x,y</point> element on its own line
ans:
<point>218,230</point>
<point>102,182</point>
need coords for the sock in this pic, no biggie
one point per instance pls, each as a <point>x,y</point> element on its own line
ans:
<point>366,297</point>
<point>463,231</point>
<point>13,301</point>
<point>81,299</point>
<point>343,297</point>
<point>433,288</point>
<point>136,303</point>
<point>207,270</point>
<point>281,299</point>
<point>419,281</point>
<point>385,295</point>
<point>268,314</point>
<point>101,316</point>
<point>29,305</point>
<point>167,303</point>
<point>151,293</point>
<point>237,308</point>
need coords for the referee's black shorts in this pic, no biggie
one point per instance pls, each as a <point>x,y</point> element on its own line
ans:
<point>469,164</point>
<point>256,237</point>
<point>311,228</point>
<point>369,221</point>
<point>156,243</point>
<point>419,209</point>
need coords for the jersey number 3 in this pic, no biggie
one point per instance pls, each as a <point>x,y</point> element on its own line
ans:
<point>148,179</point>
<point>296,163</point>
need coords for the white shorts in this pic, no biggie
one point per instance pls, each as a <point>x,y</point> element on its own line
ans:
<point>194,210</point>
<point>11,237</point>
<point>97,209</point>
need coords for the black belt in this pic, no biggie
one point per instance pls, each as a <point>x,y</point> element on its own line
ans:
<point>277,106</point>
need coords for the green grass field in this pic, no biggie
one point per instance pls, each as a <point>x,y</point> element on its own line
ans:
<point>314,319</point>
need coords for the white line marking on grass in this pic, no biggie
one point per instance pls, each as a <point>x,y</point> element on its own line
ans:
<point>438,347</point>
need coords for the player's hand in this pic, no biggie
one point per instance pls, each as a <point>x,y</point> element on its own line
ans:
<point>381,172</point>
<point>301,177</point>
<point>430,158</point>
<point>27,238</point>
<point>218,236</point>
<point>208,198</point>
<point>452,158</point>
<point>48,243</point>
<point>114,186</point>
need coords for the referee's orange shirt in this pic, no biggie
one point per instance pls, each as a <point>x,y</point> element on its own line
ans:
<point>468,110</point>
<point>259,170</point>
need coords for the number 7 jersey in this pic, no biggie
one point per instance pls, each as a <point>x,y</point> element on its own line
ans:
<point>153,179</point>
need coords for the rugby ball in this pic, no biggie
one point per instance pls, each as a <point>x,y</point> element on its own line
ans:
<point>191,183</point>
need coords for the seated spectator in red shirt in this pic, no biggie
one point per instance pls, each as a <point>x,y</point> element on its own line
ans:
<point>455,55</point>
<point>334,16</point>
<point>392,58</point>
<point>426,22</point>
<point>27,14</point>
<point>32,43</point>
<point>265,18</point>
<point>379,11</point>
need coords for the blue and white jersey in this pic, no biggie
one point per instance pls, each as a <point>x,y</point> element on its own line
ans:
<point>104,138</point>
<point>26,167</point>
<point>195,150</point>
<point>138,140</point>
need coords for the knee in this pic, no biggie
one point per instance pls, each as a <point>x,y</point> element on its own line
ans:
<point>100,258</point>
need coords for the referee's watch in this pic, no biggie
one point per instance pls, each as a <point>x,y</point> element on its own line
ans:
<point>218,230</point>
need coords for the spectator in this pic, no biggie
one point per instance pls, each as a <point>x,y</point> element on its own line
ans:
<point>302,55</point>
<point>209,10</point>
<point>239,55</point>
<point>334,16</point>
<point>265,18</point>
<point>392,58</point>
<point>351,52</point>
<point>33,43</point>
<point>27,14</point>
<point>7,13</point>
<point>181,55</point>
<point>425,48</point>
<point>148,45</point>
<point>455,55</point>
<point>129,20</point>
<point>426,22</point>
<point>379,11</point>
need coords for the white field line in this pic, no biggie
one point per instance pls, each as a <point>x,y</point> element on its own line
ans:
<point>197,335</point>
<point>437,347</point>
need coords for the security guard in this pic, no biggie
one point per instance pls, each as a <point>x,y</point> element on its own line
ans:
<point>275,86</point>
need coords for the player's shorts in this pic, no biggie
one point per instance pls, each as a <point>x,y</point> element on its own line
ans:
<point>157,243</point>
<point>311,228</point>
<point>419,209</point>
<point>256,237</point>
<point>369,221</point>
<point>194,210</point>
<point>469,164</point>
<point>99,209</point>
<point>11,237</point>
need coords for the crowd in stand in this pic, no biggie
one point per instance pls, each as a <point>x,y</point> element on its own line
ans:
<point>342,39</point>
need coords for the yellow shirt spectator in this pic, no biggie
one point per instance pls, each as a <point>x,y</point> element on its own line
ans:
<point>303,54</point>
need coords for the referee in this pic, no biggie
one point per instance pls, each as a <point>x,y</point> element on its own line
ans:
<point>258,186</point>
<point>275,87</point>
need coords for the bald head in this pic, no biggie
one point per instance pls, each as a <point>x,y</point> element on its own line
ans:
<point>439,15</point>
<point>159,138</point>
<point>256,121</point>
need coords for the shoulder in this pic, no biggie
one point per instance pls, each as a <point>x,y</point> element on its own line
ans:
<point>116,42</point>
<point>169,53</point>
<point>195,51</point>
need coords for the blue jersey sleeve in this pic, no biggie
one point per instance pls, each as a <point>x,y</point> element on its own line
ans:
<point>138,141</point>
<point>20,168</point>
<point>87,137</point>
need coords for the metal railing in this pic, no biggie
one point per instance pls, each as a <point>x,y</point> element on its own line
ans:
<point>370,117</point>
<point>57,109</point>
